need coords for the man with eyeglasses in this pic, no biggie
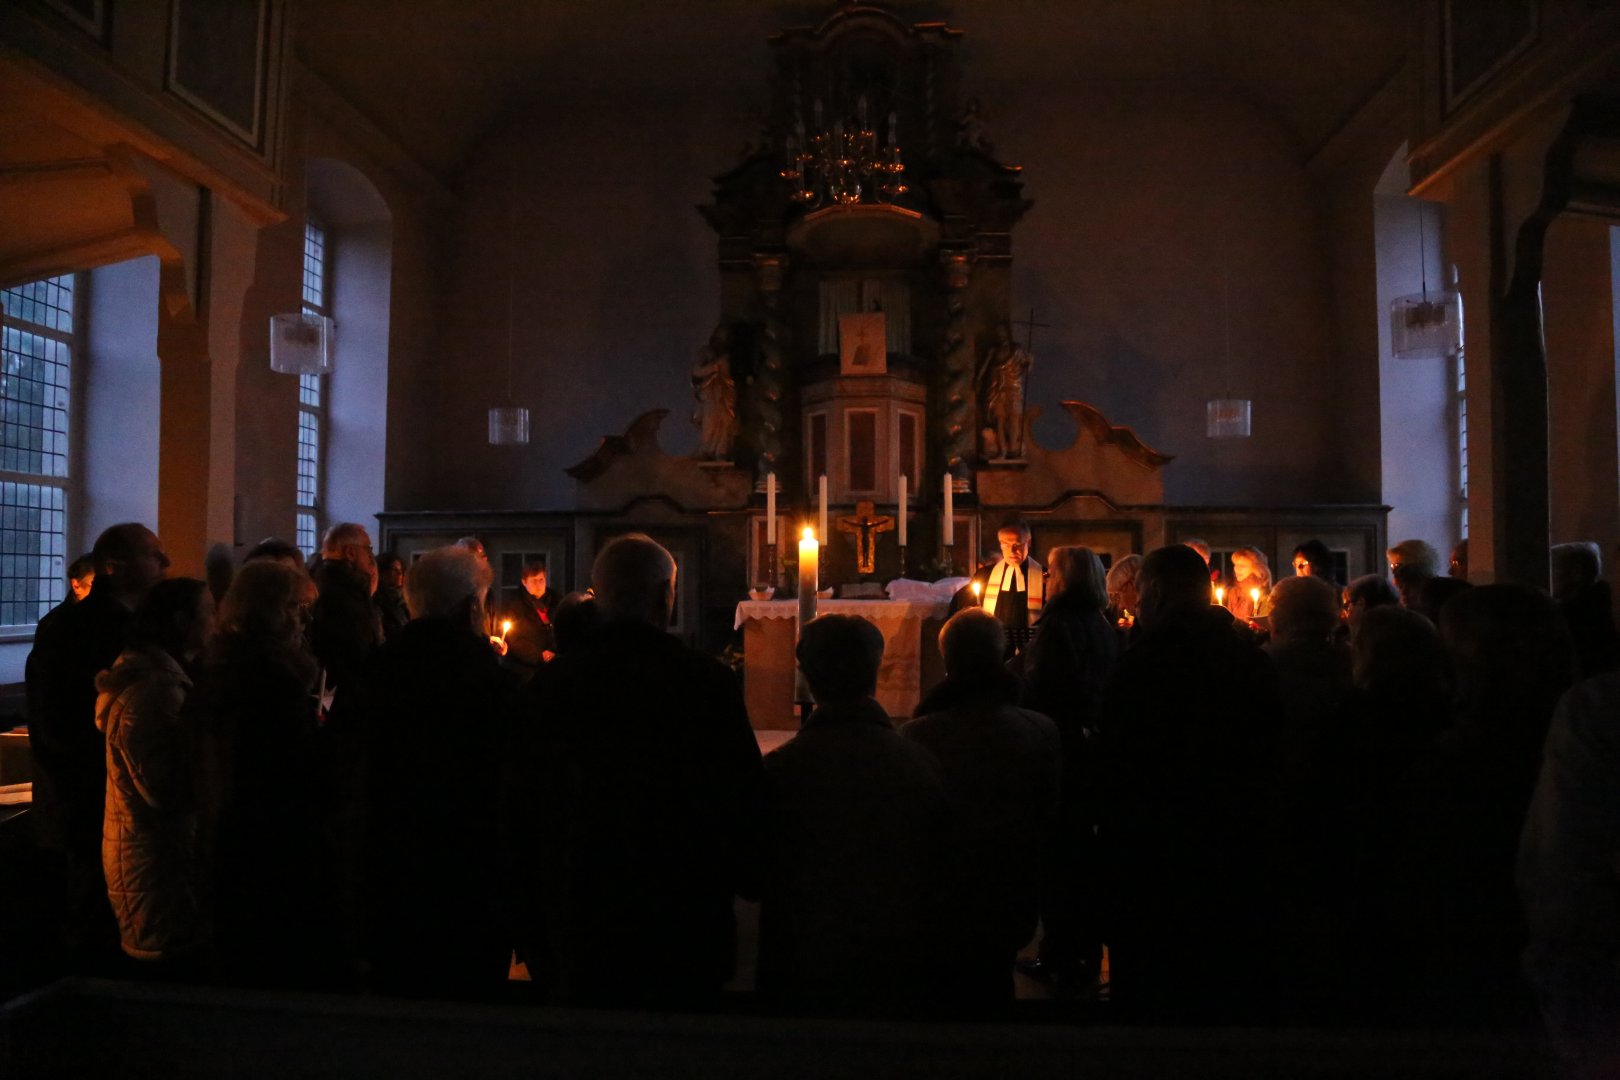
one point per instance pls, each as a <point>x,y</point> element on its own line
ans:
<point>70,756</point>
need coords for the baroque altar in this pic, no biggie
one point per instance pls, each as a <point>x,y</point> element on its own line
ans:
<point>866,335</point>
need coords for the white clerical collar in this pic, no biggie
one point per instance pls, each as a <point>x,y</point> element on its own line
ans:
<point>1012,577</point>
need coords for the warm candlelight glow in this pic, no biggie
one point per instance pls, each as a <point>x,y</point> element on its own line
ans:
<point>978,589</point>
<point>506,628</point>
<point>1220,595</point>
<point>809,533</point>
<point>1254,601</point>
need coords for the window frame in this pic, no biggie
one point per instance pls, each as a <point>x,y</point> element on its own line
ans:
<point>71,485</point>
<point>321,411</point>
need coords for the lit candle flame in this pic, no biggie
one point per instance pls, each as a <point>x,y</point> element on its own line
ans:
<point>1254,599</point>
<point>977,589</point>
<point>1220,595</point>
<point>506,628</point>
<point>809,533</point>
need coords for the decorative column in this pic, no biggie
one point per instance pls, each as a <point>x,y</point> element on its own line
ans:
<point>956,416</point>
<point>769,379</point>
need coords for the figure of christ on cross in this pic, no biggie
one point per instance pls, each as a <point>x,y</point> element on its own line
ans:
<point>864,526</point>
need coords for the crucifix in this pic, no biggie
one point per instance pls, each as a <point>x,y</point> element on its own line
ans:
<point>1029,324</point>
<point>864,526</point>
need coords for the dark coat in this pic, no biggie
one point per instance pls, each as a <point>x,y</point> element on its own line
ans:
<point>434,735</point>
<point>345,625</point>
<point>1002,771</point>
<point>637,803</point>
<point>855,877</point>
<point>1590,616</point>
<point>71,647</point>
<point>1187,779</point>
<point>268,855</point>
<point>531,636</point>
<point>1068,663</point>
<point>391,610</point>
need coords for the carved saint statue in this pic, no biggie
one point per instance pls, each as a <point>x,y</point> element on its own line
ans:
<point>864,526</point>
<point>716,393</point>
<point>1002,375</point>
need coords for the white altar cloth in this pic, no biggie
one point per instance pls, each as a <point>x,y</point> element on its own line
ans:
<point>910,653</point>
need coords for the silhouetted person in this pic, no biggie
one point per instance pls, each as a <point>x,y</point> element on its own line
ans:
<point>70,763</point>
<point>1002,769</point>
<point>1313,674</point>
<point>389,598</point>
<point>1313,559</point>
<point>853,894</point>
<point>531,640</point>
<point>149,835</point>
<point>275,549</point>
<point>1362,595</point>
<point>640,802</point>
<point>344,626</point>
<point>268,853</point>
<point>1380,795</point>
<point>1569,881</point>
<point>435,733</point>
<point>1066,667</point>
<point>1411,564</point>
<point>1513,662</point>
<point>1584,600</point>
<point>1188,732</point>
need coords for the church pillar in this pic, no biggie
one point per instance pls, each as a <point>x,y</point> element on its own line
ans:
<point>206,253</point>
<point>769,381</point>
<point>956,415</point>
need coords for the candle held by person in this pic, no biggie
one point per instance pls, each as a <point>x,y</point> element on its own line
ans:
<point>1220,596</point>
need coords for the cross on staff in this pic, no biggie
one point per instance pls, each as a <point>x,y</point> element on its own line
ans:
<point>1029,326</point>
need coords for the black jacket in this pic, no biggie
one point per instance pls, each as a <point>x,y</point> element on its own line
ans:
<point>637,795</point>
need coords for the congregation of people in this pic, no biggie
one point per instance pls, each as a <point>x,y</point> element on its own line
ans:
<point>1306,803</point>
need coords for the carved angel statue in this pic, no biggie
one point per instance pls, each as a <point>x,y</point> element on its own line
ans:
<point>716,393</point>
<point>1003,375</point>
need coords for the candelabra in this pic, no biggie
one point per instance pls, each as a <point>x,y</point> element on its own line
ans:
<point>845,164</point>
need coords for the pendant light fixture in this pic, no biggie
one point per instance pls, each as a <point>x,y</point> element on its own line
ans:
<point>1425,325</point>
<point>1227,417</point>
<point>509,423</point>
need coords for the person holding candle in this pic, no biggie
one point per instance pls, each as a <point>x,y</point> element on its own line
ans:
<point>1013,589</point>
<point>530,641</point>
<point>1249,596</point>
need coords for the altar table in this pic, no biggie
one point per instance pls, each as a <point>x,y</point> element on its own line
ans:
<point>911,661</point>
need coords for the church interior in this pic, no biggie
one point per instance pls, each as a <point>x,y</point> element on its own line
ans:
<point>549,271</point>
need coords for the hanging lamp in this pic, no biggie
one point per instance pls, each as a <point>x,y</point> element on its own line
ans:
<point>1425,325</point>
<point>1227,417</point>
<point>509,423</point>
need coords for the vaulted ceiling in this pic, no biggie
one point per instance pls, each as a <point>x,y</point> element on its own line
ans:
<point>440,75</point>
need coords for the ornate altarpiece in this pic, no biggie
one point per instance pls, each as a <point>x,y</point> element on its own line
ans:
<point>925,275</point>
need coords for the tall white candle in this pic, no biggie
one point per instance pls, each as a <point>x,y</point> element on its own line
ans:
<point>821,525</point>
<point>950,512</point>
<point>770,508</point>
<point>902,514</point>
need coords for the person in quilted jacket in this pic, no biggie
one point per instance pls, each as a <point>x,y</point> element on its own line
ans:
<point>150,824</point>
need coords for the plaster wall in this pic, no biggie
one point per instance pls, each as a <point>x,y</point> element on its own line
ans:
<point>1578,305</point>
<point>121,401</point>
<point>1160,212</point>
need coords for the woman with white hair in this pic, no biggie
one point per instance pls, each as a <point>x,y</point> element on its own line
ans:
<point>435,712</point>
